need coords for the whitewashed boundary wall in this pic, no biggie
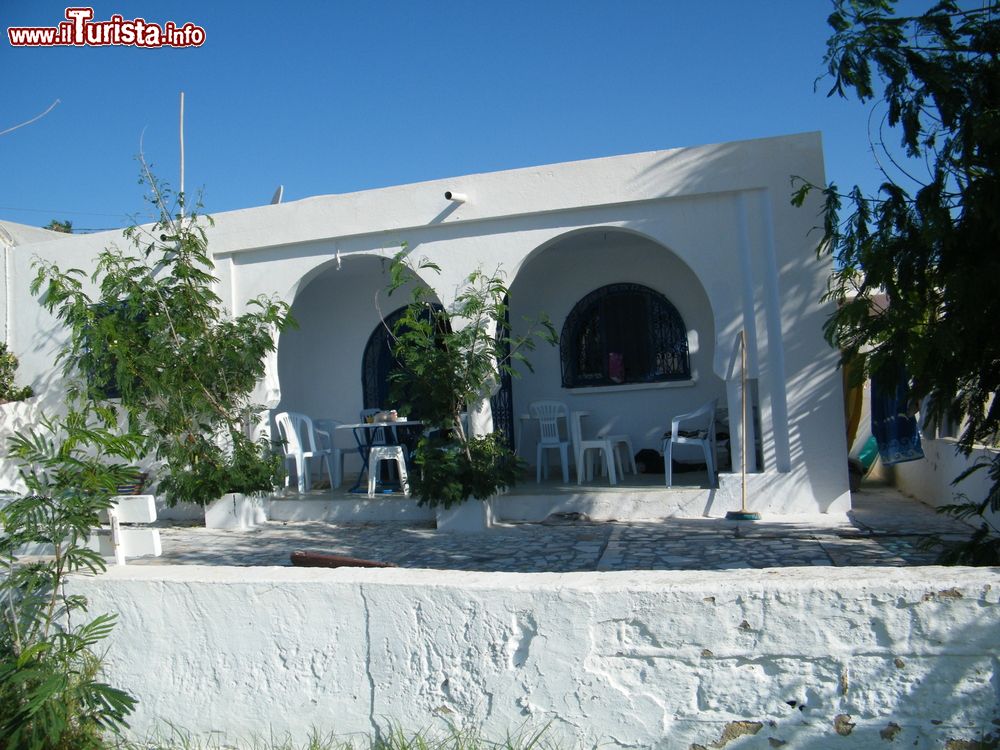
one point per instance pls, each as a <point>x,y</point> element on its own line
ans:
<point>808,657</point>
<point>930,479</point>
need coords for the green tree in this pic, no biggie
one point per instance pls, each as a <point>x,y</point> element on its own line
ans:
<point>158,337</point>
<point>60,226</point>
<point>449,358</point>
<point>930,239</point>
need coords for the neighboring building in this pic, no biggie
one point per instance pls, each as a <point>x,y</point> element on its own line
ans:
<point>649,265</point>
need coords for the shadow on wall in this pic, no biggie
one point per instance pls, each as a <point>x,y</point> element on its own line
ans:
<point>820,456</point>
<point>690,171</point>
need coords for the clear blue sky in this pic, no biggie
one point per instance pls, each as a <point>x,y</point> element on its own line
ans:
<point>327,96</point>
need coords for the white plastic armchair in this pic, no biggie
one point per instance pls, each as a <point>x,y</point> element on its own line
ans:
<point>623,447</point>
<point>326,432</point>
<point>298,441</point>
<point>694,428</point>
<point>548,414</point>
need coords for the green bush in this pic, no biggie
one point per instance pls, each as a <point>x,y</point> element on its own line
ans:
<point>448,360</point>
<point>51,697</point>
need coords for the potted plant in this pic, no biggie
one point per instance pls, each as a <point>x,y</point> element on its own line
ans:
<point>449,359</point>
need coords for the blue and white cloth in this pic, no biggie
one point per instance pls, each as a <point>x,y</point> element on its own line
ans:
<point>894,429</point>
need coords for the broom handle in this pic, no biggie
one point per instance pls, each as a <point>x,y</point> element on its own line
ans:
<point>743,431</point>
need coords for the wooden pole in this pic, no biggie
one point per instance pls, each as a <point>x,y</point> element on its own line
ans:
<point>743,417</point>
<point>744,513</point>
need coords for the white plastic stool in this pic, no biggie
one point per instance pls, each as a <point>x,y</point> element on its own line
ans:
<point>387,453</point>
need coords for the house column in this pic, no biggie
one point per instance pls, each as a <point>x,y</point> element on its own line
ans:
<point>773,398</point>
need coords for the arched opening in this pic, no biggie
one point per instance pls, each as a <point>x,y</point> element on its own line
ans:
<point>337,312</point>
<point>611,291</point>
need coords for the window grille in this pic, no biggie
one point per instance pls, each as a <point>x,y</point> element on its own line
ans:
<point>621,334</point>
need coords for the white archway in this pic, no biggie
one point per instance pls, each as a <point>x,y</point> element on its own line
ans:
<point>559,273</point>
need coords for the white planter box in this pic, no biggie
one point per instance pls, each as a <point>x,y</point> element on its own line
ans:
<point>468,518</point>
<point>235,511</point>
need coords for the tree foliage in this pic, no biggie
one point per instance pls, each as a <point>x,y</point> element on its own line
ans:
<point>51,696</point>
<point>449,360</point>
<point>157,336</point>
<point>930,239</point>
<point>65,226</point>
<point>8,369</point>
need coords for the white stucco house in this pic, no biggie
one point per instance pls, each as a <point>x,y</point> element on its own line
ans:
<point>671,254</point>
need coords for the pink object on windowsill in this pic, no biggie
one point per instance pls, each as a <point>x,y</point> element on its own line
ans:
<point>616,367</point>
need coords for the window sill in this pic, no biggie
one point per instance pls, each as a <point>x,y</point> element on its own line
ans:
<point>587,390</point>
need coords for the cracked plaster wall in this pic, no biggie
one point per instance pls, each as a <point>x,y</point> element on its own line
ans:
<point>812,658</point>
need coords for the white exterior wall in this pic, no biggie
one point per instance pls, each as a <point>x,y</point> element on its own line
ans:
<point>895,657</point>
<point>730,250</point>
<point>930,479</point>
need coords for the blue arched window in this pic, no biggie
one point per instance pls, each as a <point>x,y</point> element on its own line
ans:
<point>623,333</point>
<point>378,362</point>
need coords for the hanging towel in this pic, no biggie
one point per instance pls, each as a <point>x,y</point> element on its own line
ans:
<point>895,431</point>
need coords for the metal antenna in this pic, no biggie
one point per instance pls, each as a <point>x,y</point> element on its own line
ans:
<point>182,155</point>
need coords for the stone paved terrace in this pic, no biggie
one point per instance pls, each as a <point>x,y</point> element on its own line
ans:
<point>883,529</point>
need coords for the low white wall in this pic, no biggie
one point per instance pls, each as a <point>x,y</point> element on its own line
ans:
<point>803,658</point>
<point>930,479</point>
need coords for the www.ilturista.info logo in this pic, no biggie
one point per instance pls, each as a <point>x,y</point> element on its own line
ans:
<point>79,30</point>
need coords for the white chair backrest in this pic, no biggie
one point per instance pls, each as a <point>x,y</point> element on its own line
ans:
<point>548,413</point>
<point>703,418</point>
<point>378,436</point>
<point>292,426</point>
<point>329,426</point>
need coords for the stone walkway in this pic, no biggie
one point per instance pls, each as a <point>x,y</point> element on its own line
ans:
<point>884,528</point>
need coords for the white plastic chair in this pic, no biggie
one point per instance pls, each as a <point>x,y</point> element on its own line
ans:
<point>548,414</point>
<point>695,428</point>
<point>298,441</point>
<point>581,448</point>
<point>380,435</point>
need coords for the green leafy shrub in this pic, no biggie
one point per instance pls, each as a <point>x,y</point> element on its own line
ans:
<point>51,697</point>
<point>448,359</point>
